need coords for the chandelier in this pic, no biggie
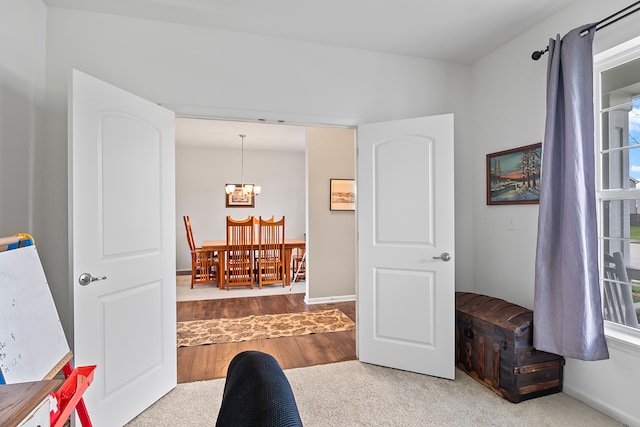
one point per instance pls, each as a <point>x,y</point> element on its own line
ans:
<point>247,189</point>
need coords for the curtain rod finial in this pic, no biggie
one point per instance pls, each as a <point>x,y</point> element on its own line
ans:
<point>537,54</point>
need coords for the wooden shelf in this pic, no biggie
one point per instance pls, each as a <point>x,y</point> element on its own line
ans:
<point>18,400</point>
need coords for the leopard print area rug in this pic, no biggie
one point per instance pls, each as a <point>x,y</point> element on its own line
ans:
<point>216,331</point>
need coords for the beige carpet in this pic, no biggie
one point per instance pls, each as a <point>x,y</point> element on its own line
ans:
<point>357,394</point>
<point>207,292</point>
<point>216,331</point>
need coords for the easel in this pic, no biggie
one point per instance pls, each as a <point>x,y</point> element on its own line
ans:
<point>17,362</point>
<point>71,394</point>
<point>302,260</point>
<point>79,406</point>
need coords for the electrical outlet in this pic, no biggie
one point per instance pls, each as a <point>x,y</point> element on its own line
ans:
<point>511,222</point>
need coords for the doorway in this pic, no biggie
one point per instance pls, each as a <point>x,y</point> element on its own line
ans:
<point>293,177</point>
<point>293,164</point>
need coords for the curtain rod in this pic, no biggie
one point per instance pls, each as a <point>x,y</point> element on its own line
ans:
<point>611,19</point>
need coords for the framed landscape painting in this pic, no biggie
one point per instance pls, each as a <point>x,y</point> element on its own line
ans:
<point>513,176</point>
<point>342,194</point>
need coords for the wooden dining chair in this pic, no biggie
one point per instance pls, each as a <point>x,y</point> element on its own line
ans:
<point>256,224</point>
<point>239,267</point>
<point>270,258</point>
<point>204,264</point>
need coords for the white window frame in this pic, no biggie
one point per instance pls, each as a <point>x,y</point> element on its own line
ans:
<point>618,336</point>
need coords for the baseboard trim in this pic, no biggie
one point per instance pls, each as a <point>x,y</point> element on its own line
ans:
<point>605,408</point>
<point>183,272</point>
<point>325,300</point>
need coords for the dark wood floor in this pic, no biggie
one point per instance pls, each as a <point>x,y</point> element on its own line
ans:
<point>210,361</point>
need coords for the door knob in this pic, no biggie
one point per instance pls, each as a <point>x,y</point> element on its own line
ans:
<point>86,278</point>
<point>445,257</point>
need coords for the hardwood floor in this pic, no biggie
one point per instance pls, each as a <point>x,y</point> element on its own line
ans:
<point>207,362</point>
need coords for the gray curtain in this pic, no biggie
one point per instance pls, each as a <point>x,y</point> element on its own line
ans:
<point>567,307</point>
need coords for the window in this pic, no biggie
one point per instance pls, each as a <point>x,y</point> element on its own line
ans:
<point>617,74</point>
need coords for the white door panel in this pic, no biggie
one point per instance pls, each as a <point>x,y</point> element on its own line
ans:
<point>405,221</point>
<point>131,181</point>
<point>122,227</point>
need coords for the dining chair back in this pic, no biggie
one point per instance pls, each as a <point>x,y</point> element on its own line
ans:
<point>204,264</point>
<point>271,255</point>
<point>256,225</point>
<point>239,269</point>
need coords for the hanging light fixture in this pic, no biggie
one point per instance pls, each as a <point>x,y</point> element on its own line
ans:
<point>247,189</point>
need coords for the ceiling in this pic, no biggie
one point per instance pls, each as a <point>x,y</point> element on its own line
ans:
<point>449,30</point>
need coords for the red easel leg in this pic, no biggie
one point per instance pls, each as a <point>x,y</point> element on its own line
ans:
<point>81,408</point>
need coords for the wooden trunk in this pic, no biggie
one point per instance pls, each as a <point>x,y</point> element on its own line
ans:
<point>494,344</point>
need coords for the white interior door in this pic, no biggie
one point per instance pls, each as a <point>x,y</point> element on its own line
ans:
<point>122,170</point>
<point>405,224</point>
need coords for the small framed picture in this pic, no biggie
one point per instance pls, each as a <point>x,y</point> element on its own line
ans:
<point>239,199</point>
<point>342,195</point>
<point>513,176</point>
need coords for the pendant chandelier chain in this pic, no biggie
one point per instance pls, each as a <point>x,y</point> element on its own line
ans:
<point>248,189</point>
<point>242,160</point>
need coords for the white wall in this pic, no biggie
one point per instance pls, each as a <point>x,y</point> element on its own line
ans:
<point>331,252</point>
<point>509,92</point>
<point>200,177</point>
<point>23,29</point>
<point>22,80</point>
<point>196,68</point>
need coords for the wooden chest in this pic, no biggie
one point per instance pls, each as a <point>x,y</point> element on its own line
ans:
<point>494,344</point>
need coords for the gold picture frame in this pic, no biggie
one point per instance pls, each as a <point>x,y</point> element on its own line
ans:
<point>238,199</point>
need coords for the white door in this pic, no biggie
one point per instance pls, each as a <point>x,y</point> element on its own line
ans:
<point>406,268</point>
<point>123,233</point>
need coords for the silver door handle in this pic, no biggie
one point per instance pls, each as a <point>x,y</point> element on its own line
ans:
<point>445,257</point>
<point>86,278</point>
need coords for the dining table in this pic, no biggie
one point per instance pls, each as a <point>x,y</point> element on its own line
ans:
<point>221,247</point>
